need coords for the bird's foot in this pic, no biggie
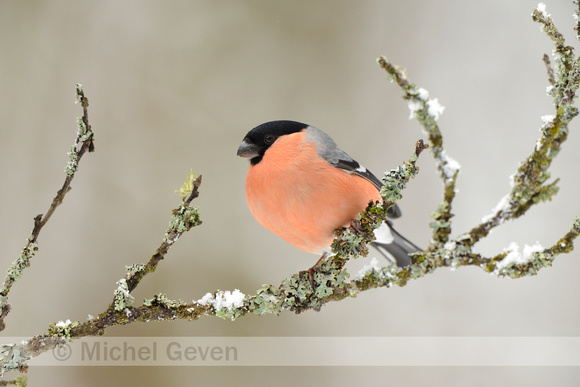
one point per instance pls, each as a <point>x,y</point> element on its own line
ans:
<point>315,268</point>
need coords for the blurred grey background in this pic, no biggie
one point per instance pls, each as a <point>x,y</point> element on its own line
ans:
<point>175,86</point>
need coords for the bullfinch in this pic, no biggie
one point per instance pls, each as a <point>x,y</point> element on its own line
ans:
<point>302,187</point>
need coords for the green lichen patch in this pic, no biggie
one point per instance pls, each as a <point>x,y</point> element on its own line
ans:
<point>62,328</point>
<point>161,299</point>
<point>122,295</point>
<point>266,301</point>
<point>16,270</point>
<point>13,357</point>
<point>183,219</point>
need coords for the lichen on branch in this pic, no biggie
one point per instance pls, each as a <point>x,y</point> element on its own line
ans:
<point>84,142</point>
<point>331,281</point>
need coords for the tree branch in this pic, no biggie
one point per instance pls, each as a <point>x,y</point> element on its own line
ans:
<point>528,183</point>
<point>332,282</point>
<point>427,111</point>
<point>84,142</point>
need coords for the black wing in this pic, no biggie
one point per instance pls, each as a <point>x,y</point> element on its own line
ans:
<point>352,166</point>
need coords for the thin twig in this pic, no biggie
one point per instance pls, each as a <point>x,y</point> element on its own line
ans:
<point>84,142</point>
<point>427,111</point>
<point>549,69</point>
<point>188,218</point>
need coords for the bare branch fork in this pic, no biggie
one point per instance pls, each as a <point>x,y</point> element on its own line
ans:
<point>332,282</point>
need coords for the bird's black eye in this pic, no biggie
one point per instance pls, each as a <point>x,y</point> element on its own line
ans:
<point>269,139</point>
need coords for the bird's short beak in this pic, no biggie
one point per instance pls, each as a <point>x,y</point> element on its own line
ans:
<point>248,150</point>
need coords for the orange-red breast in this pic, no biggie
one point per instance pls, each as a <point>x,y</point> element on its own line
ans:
<point>302,187</point>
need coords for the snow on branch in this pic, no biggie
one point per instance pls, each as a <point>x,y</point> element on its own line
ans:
<point>531,185</point>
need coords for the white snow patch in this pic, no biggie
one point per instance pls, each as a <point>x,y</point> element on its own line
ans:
<point>423,94</point>
<point>514,256</point>
<point>450,166</point>
<point>414,106</point>
<point>450,245</point>
<point>63,324</point>
<point>513,179</point>
<point>223,299</point>
<point>435,109</point>
<point>502,205</point>
<point>548,122</point>
<point>542,9</point>
<point>205,299</point>
<point>369,267</point>
<point>548,119</point>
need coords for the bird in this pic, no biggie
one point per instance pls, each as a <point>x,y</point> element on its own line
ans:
<point>302,187</point>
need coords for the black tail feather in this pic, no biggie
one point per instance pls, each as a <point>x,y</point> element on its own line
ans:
<point>398,250</point>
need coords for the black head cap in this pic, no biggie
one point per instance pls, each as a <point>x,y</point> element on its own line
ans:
<point>259,139</point>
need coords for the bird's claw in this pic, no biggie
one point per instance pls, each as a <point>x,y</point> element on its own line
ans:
<point>310,273</point>
<point>312,270</point>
